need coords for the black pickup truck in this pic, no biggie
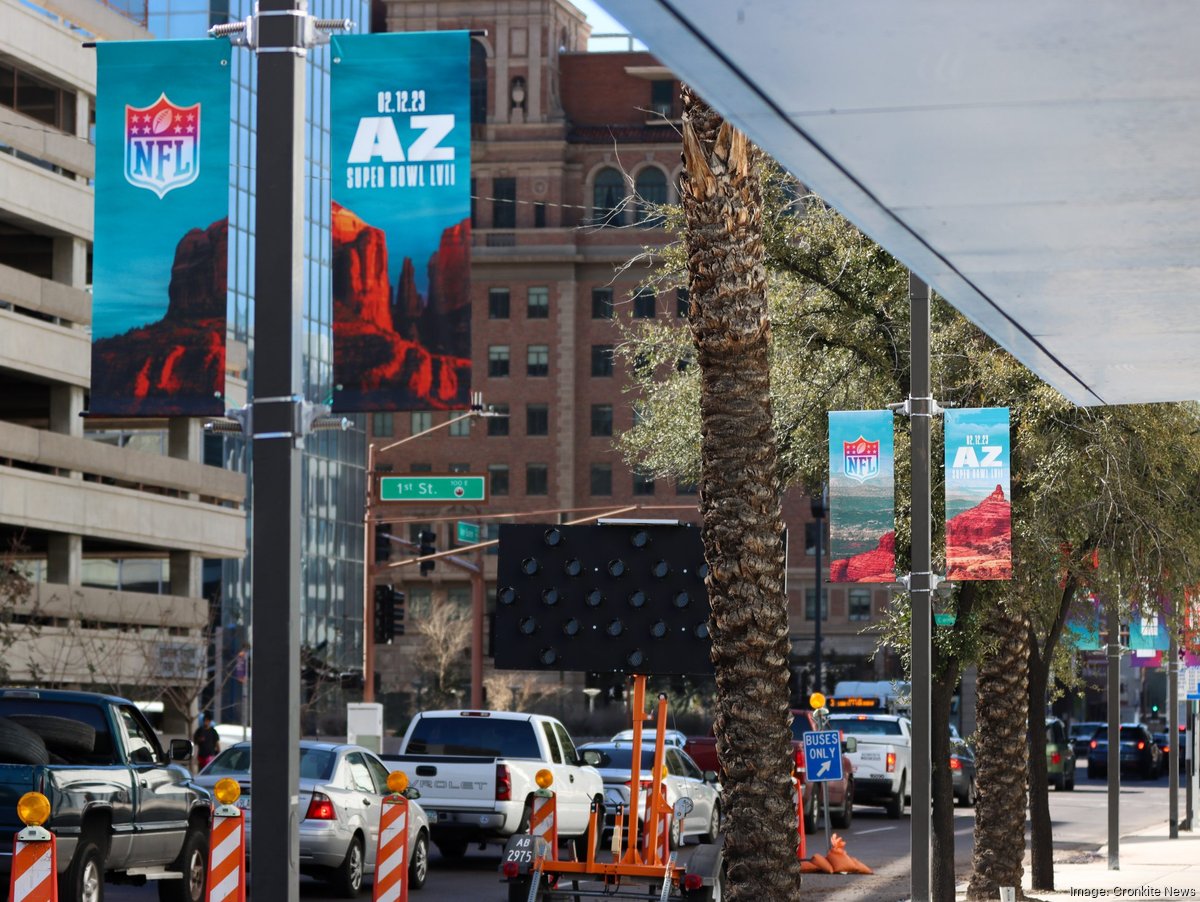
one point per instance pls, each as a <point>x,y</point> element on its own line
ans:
<point>120,809</point>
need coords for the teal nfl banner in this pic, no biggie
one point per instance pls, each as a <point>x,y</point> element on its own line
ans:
<point>160,265</point>
<point>401,221</point>
<point>978,485</point>
<point>862,497</point>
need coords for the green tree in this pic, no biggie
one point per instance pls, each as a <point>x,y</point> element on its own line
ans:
<point>740,501</point>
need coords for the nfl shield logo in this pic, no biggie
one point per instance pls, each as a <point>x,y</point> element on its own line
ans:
<point>162,145</point>
<point>860,459</point>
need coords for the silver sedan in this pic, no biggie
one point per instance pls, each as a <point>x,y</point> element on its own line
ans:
<point>341,793</point>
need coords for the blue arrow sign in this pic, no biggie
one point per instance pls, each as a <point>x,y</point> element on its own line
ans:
<point>823,755</point>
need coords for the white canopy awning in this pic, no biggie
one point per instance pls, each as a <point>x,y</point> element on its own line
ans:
<point>1038,163</point>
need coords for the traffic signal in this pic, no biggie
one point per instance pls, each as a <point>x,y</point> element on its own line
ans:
<point>427,537</point>
<point>397,613</point>
<point>385,615</point>
<point>383,546</point>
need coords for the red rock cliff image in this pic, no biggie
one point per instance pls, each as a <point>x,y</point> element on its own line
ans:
<point>979,540</point>
<point>175,366</point>
<point>875,566</point>
<point>393,356</point>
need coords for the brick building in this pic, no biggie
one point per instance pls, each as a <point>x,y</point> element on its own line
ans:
<point>566,145</point>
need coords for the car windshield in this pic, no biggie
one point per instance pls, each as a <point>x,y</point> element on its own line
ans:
<point>1082,730</point>
<point>315,764</point>
<point>867,727</point>
<point>622,757</point>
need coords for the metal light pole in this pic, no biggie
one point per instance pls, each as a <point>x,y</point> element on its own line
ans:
<point>819,508</point>
<point>1114,733</point>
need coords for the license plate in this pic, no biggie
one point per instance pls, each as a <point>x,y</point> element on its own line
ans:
<point>431,816</point>
<point>870,756</point>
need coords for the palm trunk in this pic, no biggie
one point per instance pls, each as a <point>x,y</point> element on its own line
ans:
<point>740,503</point>
<point>1001,760</point>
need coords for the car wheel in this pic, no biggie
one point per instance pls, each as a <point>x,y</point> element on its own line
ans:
<point>418,862</point>
<point>193,863</point>
<point>84,879</point>
<point>841,819</point>
<point>895,805</point>
<point>714,825</point>
<point>1069,784</point>
<point>348,876</point>
<point>452,849</point>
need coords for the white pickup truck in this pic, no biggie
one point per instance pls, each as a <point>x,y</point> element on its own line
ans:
<point>476,772</point>
<point>881,761</point>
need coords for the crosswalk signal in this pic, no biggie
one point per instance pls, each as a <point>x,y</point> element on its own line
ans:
<point>427,537</point>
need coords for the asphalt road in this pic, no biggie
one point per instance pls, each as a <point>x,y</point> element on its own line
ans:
<point>1079,820</point>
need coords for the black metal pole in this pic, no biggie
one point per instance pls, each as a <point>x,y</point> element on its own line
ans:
<point>275,480</point>
<point>1114,734</point>
<point>1173,733</point>
<point>921,587</point>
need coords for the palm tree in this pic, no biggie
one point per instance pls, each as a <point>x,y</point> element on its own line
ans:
<point>740,502</point>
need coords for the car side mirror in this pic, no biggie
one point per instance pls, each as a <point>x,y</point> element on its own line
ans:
<point>592,758</point>
<point>180,750</point>
<point>849,745</point>
<point>412,793</point>
<point>710,776</point>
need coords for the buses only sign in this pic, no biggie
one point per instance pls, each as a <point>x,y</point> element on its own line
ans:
<point>823,755</point>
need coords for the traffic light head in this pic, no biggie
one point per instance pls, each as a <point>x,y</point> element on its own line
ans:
<point>427,538</point>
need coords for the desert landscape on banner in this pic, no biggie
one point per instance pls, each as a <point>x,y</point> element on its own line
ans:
<point>401,350</point>
<point>979,540</point>
<point>175,366</point>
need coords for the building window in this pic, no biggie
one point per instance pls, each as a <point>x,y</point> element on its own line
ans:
<point>686,488</point>
<point>460,597</point>
<point>601,479</point>
<point>608,192</point>
<point>602,419</point>
<point>860,604</point>
<point>602,360</point>
<point>537,360</point>
<point>37,99</point>
<point>498,425</point>
<point>537,419</point>
<point>422,421</point>
<point>420,468</point>
<point>479,83</point>
<point>643,484</point>
<point>602,304</point>
<point>461,426</point>
<point>683,303</point>
<point>460,468</point>
<point>810,604</point>
<point>418,603</point>
<point>644,304</point>
<point>497,361</point>
<point>497,303</point>
<point>539,216</point>
<point>662,98</point>
<point>504,203</point>
<point>539,303</point>
<point>537,479</point>
<point>498,479</point>
<point>651,189</point>
<point>381,425</point>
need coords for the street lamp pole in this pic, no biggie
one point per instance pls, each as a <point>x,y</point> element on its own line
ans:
<point>819,509</point>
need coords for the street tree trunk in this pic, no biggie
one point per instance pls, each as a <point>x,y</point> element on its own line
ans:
<point>1001,758</point>
<point>740,504</point>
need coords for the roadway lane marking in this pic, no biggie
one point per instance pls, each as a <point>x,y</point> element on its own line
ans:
<point>872,830</point>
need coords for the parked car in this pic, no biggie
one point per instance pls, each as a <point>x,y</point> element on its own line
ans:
<point>341,791</point>
<point>1139,752</point>
<point>1164,743</point>
<point>121,806</point>
<point>670,737</point>
<point>684,780</point>
<point>1060,756</point>
<point>1081,735</point>
<point>962,771</point>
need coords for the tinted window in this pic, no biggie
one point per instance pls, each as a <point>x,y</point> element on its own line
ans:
<point>1128,734</point>
<point>473,736</point>
<point>378,772</point>
<point>316,764</point>
<point>102,752</point>
<point>360,776</point>
<point>568,747</point>
<point>866,727</point>
<point>142,745</point>
<point>231,761</point>
<point>616,757</point>
<point>551,742</point>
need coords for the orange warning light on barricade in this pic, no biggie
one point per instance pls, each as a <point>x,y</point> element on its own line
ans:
<point>35,855</point>
<point>391,859</point>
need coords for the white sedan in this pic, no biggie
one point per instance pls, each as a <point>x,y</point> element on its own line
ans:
<point>684,780</point>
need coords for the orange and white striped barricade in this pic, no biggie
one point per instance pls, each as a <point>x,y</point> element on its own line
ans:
<point>658,808</point>
<point>802,852</point>
<point>391,859</point>
<point>227,846</point>
<point>543,821</point>
<point>34,875</point>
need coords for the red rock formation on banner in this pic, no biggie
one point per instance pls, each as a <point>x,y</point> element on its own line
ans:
<point>875,566</point>
<point>979,540</point>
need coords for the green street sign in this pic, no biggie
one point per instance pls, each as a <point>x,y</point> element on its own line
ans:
<point>466,533</point>
<point>420,487</point>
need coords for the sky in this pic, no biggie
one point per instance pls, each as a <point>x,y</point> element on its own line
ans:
<point>600,20</point>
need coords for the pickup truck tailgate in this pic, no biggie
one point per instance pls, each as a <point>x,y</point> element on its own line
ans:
<point>465,780</point>
<point>871,756</point>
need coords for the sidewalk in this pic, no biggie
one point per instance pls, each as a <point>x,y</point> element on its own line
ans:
<point>1160,867</point>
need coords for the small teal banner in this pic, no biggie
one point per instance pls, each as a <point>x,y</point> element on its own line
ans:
<point>978,494</point>
<point>862,496</point>
<point>1083,623</point>
<point>1148,633</point>
<point>401,221</point>
<point>160,261</point>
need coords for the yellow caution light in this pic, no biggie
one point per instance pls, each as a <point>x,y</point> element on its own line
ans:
<point>544,778</point>
<point>397,781</point>
<point>227,790</point>
<point>816,700</point>
<point>663,775</point>
<point>33,809</point>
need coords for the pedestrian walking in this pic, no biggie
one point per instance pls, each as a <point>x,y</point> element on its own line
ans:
<point>207,741</point>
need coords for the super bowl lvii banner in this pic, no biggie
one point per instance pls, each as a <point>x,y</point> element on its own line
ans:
<point>160,265</point>
<point>401,221</point>
<point>978,505</point>
<point>862,497</point>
